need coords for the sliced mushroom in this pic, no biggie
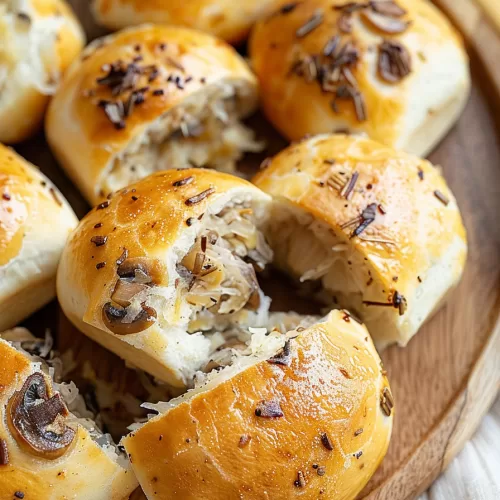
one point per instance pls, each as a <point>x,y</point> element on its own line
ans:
<point>37,419</point>
<point>140,270</point>
<point>125,291</point>
<point>386,24</point>
<point>114,319</point>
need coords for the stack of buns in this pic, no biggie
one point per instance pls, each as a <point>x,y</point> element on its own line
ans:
<point>165,270</point>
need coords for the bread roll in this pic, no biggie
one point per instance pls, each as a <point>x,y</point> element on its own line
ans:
<point>46,451</point>
<point>153,272</point>
<point>395,71</point>
<point>376,231</point>
<point>38,40</point>
<point>309,417</point>
<point>148,99</point>
<point>35,221</point>
<point>226,19</point>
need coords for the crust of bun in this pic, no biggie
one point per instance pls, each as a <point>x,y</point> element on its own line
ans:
<point>412,113</point>
<point>147,219</point>
<point>85,470</point>
<point>416,245</point>
<point>226,19</point>
<point>86,142</point>
<point>25,96</point>
<point>35,223</point>
<point>212,445</point>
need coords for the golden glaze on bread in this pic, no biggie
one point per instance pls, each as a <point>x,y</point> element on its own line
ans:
<point>227,19</point>
<point>35,221</point>
<point>82,137</point>
<point>410,114</point>
<point>148,219</point>
<point>26,91</point>
<point>212,444</point>
<point>84,471</point>
<point>416,246</point>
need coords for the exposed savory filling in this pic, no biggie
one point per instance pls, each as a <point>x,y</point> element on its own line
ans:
<point>205,131</point>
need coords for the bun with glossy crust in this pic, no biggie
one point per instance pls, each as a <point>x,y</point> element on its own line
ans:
<point>395,71</point>
<point>147,99</point>
<point>38,39</point>
<point>373,230</point>
<point>35,221</point>
<point>51,468</point>
<point>310,420</point>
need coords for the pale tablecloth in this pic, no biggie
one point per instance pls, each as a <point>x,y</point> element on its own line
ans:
<point>475,473</point>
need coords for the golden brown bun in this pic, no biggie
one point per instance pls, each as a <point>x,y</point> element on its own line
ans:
<point>83,471</point>
<point>411,113</point>
<point>39,39</point>
<point>87,143</point>
<point>226,19</point>
<point>212,444</point>
<point>148,219</point>
<point>35,221</point>
<point>414,249</point>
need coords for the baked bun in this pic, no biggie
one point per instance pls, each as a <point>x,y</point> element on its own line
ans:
<point>396,71</point>
<point>46,450</point>
<point>38,40</point>
<point>226,19</point>
<point>153,272</point>
<point>308,417</point>
<point>147,99</point>
<point>381,230</point>
<point>35,221</point>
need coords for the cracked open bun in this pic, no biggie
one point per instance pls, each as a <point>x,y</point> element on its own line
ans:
<point>381,230</point>
<point>226,19</point>
<point>46,450</point>
<point>304,415</point>
<point>38,40</point>
<point>153,272</point>
<point>147,99</point>
<point>395,71</point>
<point>35,221</point>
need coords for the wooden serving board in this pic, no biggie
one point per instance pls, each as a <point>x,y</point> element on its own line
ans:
<point>447,377</point>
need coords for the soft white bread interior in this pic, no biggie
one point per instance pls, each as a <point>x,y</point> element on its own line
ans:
<point>396,71</point>
<point>366,228</point>
<point>49,448</point>
<point>151,98</point>
<point>226,19</point>
<point>35,221</point>
<point>159,270</point>
<point>307,414</point>
<point>38,40</point>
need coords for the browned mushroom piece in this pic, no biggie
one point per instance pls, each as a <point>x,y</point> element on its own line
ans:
<point>386,24</point>
<point>37,419</point>
<point>114,318</point>
<point>141,270</point>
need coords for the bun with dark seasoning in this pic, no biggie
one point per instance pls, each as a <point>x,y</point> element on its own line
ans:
<point>35,221</point>
<point>382,231</point>
<point>317,425</point>
<point>228,19</point>
<point>38,39</point>
<point>147,99</point>
<point>47,449</point>
<point>395,70</point>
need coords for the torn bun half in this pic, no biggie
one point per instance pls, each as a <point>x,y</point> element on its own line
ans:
<point>35,221</point>
<point>146,99</point>
<point>396,71</point>
<point>46,450</point>
<point>155,271</point>
<point>226,19</point>
<point>303,415</point>
<point>366,228</point>
<point>38,41</point>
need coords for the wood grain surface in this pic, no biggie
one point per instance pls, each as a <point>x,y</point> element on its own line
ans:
<point>447,377</point>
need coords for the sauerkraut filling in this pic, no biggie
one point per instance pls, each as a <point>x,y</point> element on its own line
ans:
<point>205,131</point>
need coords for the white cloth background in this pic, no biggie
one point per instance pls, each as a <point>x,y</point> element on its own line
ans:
<point>475,473</point>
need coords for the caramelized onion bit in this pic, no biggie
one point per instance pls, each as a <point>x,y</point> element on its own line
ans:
<point>114,317</point>
<point>37,419</point>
